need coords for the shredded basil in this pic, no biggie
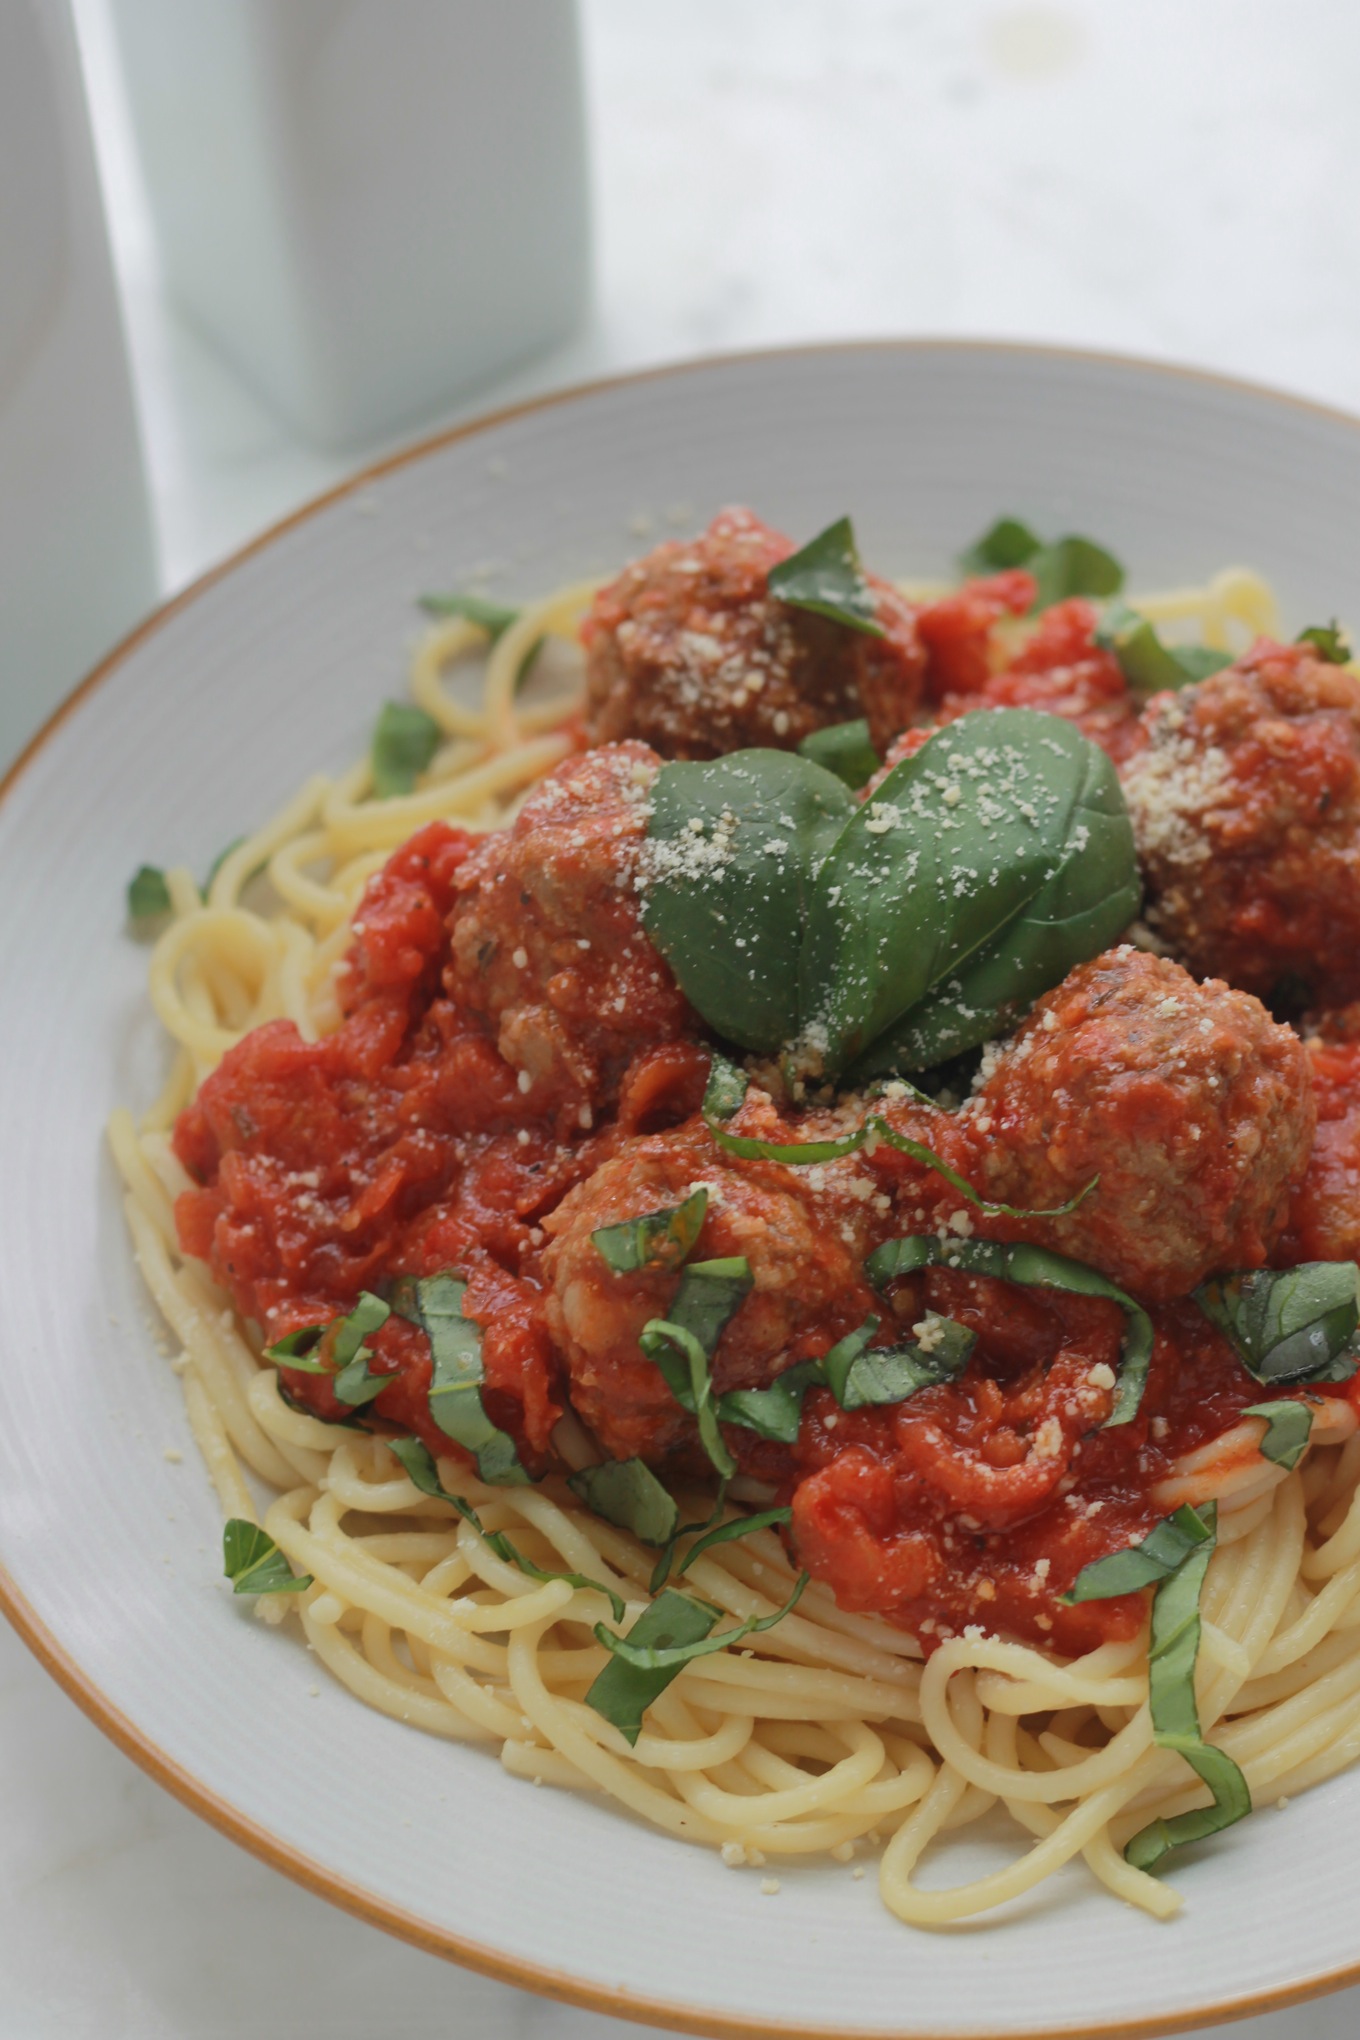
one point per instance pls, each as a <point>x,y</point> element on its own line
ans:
<point>727,1087</point>
<point>864,1376</point>
<point>1176,1556</point>
<point>421,1469</point>
<point>1328,641</point>
<point>493,617</point>
<point>1288,1427</point>
<point>844,749</point>
<point>1062,568</point>
<point>682,1345</point>
<point>665,1638</point>
<point>1008,544</point>
<point>775,1412</point>
<point>337,1350</point>
<point>1289,1324</point>
<point>218,862</point>
<point>1146,663</point>
<point>658,1241</point>
<point>253,1563</point>
<point>435,1304</point>
<point>728,1533</point>
<point>827,578</point>
<point>626,1492</point>
<point>404,741</point>
<point>148,895</point>
<point>1033,1267</point>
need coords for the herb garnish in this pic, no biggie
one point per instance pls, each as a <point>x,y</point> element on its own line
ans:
<point>148,896</point>
<point>627,1493</point>
<point>827,578</point>
<point>1289,1324</point>
<point>405,739</point>
<point>655,1242</point>
<point>884,936</point>
<point>1147,664</point>
<point>1177,1555</point>
<point>1288,1427</point>
<point>435,1304</point>
<point>337,1349</point>
<point>253,1563</point>
<point>495,618</point>
<point>665,1638</point>
<point>843,748</point>
<point>682,1345</point>
<point>1063,567</point>
<point>1328,641</point>
<point>1034,1267</point>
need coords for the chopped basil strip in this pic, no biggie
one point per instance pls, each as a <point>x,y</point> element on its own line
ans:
<point>404,741</point>
<point>886,936</point>
<point>253,1563</point>
<point>866,1377</point>
<point>665,1638</point>
<point>1146,663</point>
<point>298,1350</point>
<point>662,1569</point>
<point>1176,1555</point>
<point>148,895</point>
<point>1288,1425</point>
<point>337,1350</point>
<point>626,1492</point>
<point>1008,544</point>
<point>658,1241</point>
<point>827,578</point>
<point>682,1345</point>
<point>492,617</point>
<point>1064,567</point>
<point>775,1412</point>
<point>435,1303</point>
<point>1289,1324</point>
<point>1328,641</point>
<point>419,1463</point>
<point>1033,1267</point>
<point>218,862</point>
<point>727,1533</point>
<point>844,749</point>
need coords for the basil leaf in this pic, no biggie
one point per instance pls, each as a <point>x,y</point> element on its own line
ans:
<point>1073,566</point>
<point>356,1384</point>
<point>628,1493</point>
<point>1288,1425</point>
<point>253,1563</point>
<point>658,1241</point>
<point>218,862</point>
<point>844,749</point>
<point>775,1412</point>
<point>1009,543</point>
<point>435,1304</point>
<point>665,1638</point>
<point>1033,1267</point>
<point>1289,1324</point>
<point>346,1357</point>
<point>865,1378</point>
<point>1146,663</point>
<point>1328,641</point>
<point>827,578</point>
<point>726,902</point>
<point>492,617</point>
<point>404,741</point>
<point>662,1569</point>
<point>682,1345</point>
<point>1162,1552</point>
<point>148,895</point>
<point>624,1691</point>
<point>727,1533</point>
<point>726,1088</point>
<point>986,865</point>
<point>297,1350</point>
<point>802,1153</point>
<point>419,1462</point>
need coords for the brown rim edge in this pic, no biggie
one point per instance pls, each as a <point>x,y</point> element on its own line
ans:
<point>191,1791</point>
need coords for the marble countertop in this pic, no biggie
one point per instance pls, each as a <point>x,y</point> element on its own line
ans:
<point>1172,181</point>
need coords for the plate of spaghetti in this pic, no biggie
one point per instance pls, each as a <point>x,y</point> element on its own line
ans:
<point>731,1191</point>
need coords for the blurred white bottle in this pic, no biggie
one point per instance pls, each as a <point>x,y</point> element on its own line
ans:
<point>368,204</point>
<point>76,560</point>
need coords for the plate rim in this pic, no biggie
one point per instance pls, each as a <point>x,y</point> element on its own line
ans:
<point>190,1790</point>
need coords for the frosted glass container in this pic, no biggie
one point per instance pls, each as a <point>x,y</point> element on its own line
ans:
<point>76,560</point>
<point>369,205</point>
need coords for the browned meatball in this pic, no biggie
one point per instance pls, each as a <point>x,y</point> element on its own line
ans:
<point>547,944</point>
<point>688,651</point>
<point>805,1247</point>
<point>1187,1100</point>
<point>1246,809</point>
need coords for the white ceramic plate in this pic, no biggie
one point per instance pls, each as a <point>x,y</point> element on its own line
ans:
<point>198,727</point>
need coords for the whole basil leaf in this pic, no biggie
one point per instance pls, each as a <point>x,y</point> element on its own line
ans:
<point>626,1492</point>
<point>726,902</point>
<point>1034,1267</point>
<point>1073,566</point>
<point>1288,1428</point>
<point>844,749</point>
<point>435,1304</point>
<point>658,1240</point>
<point>253,1563</point>
<point>827,578</point>
<point>1328,641</point>
<point>1289,1324</point>
<point>984,868</point>
<point>1147,664</point>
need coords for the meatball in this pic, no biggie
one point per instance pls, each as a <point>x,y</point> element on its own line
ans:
<point>806,1248</point>
<point>688,651</point>
<point>1190,1104</point>
<point>1324,1214</point>
<point>546,942</point>
<point>1246,809</point>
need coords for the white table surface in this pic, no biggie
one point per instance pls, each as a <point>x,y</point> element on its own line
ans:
<point>1178,178</point>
